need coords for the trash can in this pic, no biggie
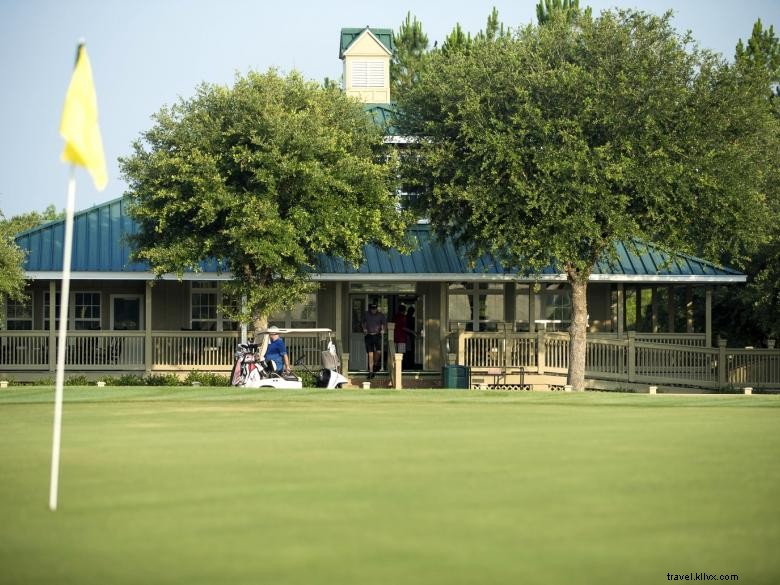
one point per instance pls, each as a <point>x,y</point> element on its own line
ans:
<point>455,376</point>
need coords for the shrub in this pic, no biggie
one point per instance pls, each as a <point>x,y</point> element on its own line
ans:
<point>162,380</point>
<point>206,378</point>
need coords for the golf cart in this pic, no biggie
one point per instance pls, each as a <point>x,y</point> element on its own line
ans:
<point>251,370</point>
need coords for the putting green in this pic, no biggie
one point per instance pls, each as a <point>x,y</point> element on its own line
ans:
<point>215,485</point>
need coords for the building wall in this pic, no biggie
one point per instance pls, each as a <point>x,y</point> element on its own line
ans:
<point>170,305</point>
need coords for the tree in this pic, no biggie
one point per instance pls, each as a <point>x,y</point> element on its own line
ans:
<point>12,281</point>
<point>411,46</point>
<point>456,41</point>
<point>546,8</point>
<point>548,147</point>
<point>494,28</point>
<point>19,223</point>
<point>264,176</point>
<point>750,314</point>
<point>762,51</point>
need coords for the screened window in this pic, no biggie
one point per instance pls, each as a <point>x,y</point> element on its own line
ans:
<point>522,308</point>
<point>302,315</point>
<point>556,304</point>
<point>478,306</point>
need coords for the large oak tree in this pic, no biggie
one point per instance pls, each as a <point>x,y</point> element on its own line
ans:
<point>549,146</point>
<point>263,176</point>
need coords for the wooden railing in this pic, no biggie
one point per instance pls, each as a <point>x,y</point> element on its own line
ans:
<point>632,359</point>
<point>125,350</point>
<point>24,350</point>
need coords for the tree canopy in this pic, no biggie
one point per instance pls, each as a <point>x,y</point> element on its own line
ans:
<point>263,176</point>
<point>12,283</point>
<point>548,146</point>
<point>11,260</point>
<point>411,45</point>
<point>569,9</point>
<point>748,315</point>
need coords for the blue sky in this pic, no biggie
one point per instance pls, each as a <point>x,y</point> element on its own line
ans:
<point>147,53</point>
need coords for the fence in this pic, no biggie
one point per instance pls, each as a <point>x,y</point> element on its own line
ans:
<point>35,351</point>
<point>670,360</point>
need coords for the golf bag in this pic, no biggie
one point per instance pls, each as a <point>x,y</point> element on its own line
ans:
<point>245,365</point>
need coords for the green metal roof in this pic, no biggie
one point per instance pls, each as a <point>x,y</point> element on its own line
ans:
<point>382,116</point>
<point>100,247</point>
<point>350,35</point>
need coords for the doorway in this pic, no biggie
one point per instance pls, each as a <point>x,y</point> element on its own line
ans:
<point>388,304</point>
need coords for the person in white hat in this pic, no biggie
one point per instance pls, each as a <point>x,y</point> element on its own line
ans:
<point>277,351</point>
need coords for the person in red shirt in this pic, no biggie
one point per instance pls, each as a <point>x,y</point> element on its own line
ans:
<point>400,332</point>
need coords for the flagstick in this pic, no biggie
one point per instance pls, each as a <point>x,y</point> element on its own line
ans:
<point>62,339</point>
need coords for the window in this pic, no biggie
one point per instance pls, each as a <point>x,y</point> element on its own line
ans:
<point>368,74</point>
<point>18,315</point>
<point>479,306</point>
<point>522,308</point>
<point>556,304</point>
<point>203,306</point>
<point>86,307</point>
<point>84,311</point>
<point>205,298</point>
<point>46,303</point>
<point>302,315</point>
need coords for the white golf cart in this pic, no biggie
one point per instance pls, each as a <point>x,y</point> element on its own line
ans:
<point>252,370</point>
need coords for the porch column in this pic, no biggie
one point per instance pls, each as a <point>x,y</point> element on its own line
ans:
<point>708,316</point>
<point>532,308</point>
<point>620,309</point>
<point>670,308</point>
<point>52,325</point>
<point>148,327</point>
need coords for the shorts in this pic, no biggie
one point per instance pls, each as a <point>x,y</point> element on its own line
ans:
<point>373,342</point>
<point>400,347</point>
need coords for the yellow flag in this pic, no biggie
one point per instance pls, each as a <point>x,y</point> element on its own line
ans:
<point>79,124</point>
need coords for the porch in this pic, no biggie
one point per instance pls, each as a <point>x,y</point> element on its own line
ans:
<point>541,359</point>
<point>502,360</point>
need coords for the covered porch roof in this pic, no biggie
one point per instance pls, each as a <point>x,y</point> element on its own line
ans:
<point>101,252</point>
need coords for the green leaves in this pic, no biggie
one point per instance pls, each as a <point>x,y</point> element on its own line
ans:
<point>265,176</point>
<point>555,142</point>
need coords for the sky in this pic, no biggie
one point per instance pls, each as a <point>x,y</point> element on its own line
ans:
<point>148,53</point>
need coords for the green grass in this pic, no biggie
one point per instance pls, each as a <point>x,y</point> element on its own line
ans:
<point>215,485</point>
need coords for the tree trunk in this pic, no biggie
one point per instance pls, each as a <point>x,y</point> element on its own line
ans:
<point>261,324</point>
<point>578,330</point>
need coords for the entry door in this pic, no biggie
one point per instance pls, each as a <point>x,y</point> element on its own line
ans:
<point>127,312</point>
<point>357,348</point>
<point>358,303</point>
